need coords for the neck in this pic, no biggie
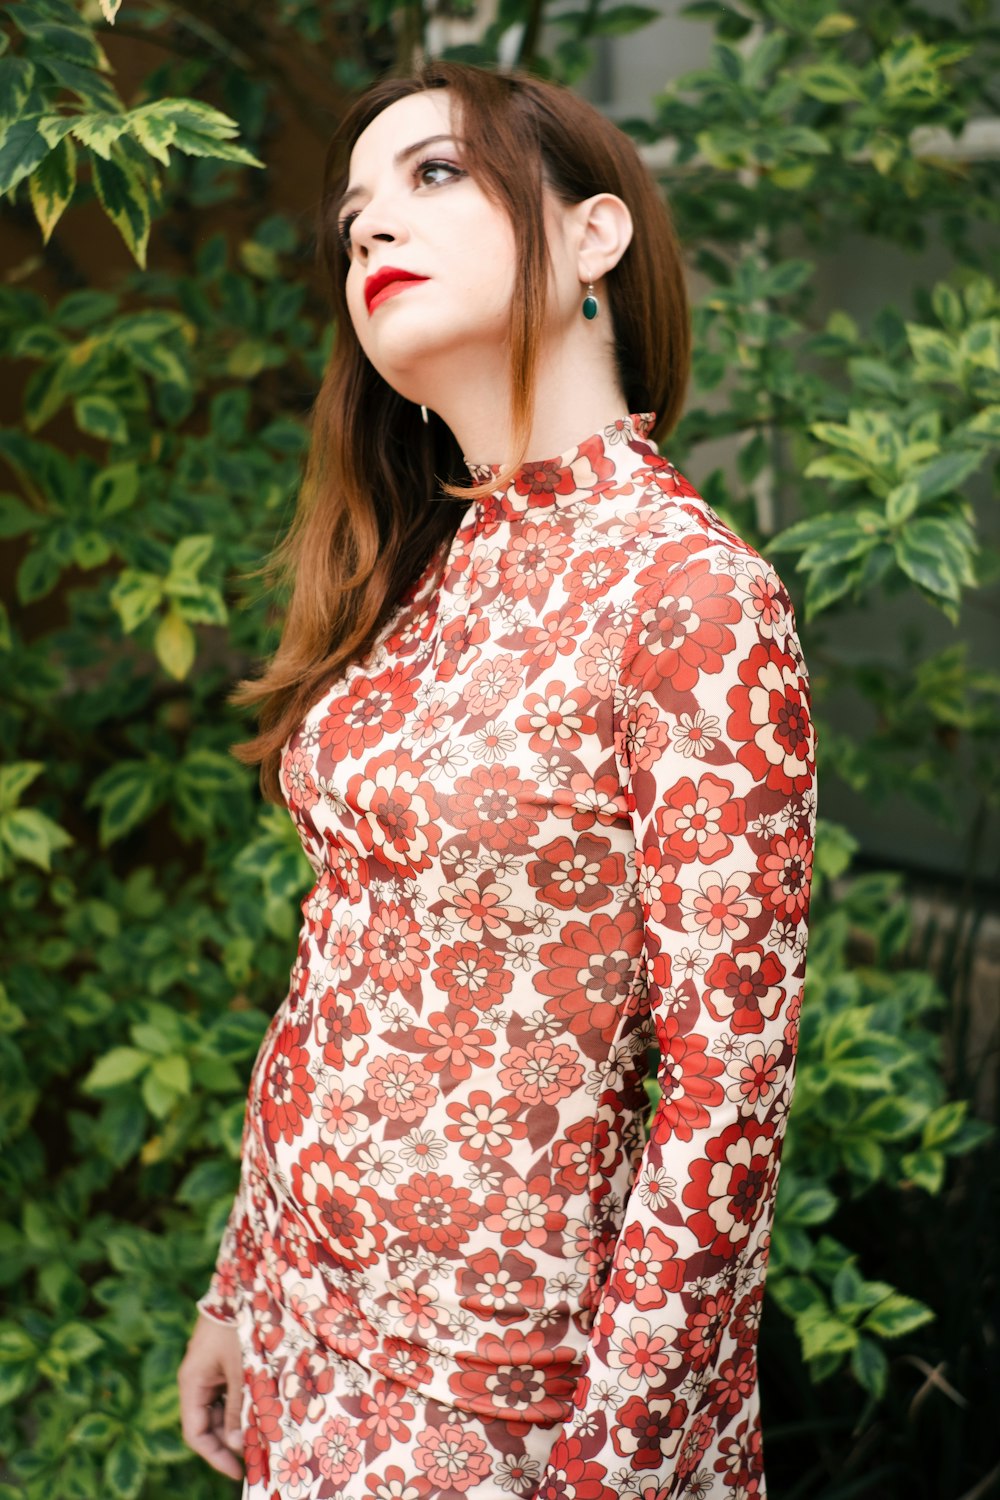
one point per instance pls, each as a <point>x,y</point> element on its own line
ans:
<point>576,393</point>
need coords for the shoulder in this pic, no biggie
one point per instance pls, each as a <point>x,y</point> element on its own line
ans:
<point>690,582</point>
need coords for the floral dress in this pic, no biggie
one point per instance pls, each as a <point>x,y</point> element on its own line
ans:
<point>561,814</point>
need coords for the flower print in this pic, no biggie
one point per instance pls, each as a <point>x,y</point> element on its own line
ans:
<point>291,1467</point>
<point>285,1086</point>
<point>556,635</point>
<point>576,875</point>
<point>336,1450</point>
<point>719,908</point>
<point>372,709</point>
<point>745,987</point>
<point>398,811</point>
<point>492,807</point>
<point>643,739</point>
<point>770,720</point>
<point>525,1212</point>
<point>706,1324</point>
<point>556,718</point>
<point>535,557</point>
<point>386,1411</point>
<point>343,947</point>
<point>687,1077</point>
<point>584,800</point>
<point>432,714</point>
<point>757,1077</point>
<point>786,874</point>
<point>594,572</point>
<point>655,1188</point>
<point>587,971</point>
<point>517,1474</point>
<point>482,1177</point>
<point>700,822</point>
<point>481,906</point>
<point>599,660</point>
<point>730,1183</point>
<point>297,779</point>
<point>484,1125</point>
<point>414,1305</point>
<point>734,1385</point>
<point>341,1028</point>
<point>454,1043</point>
<point>541,1071</point>
<point>434,1212</point>
<point>500,1287</point>
<point>640,1353</point>
<point>683,619</point>
<point>445,759</point>
<point>400,1087</point>
<point>452,1457</point>
<point>649,1429</point>
<point>495,742</point>
<point>395,948</point>
<point>469,974</point>
<point>503,862</point>
<point>492,686</point>
<point>347,1217</point>
<point>337,1113</point>
<point>646,1268</point>
<point>422,1148</point>
<point>515,1376</point>
<point>377,1164</point>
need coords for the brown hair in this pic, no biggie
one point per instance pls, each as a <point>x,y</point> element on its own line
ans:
<point>366,526</point>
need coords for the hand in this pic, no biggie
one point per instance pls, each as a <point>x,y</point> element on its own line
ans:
<point>210,1381</point>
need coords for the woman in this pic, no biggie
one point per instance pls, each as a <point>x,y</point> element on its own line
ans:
<point>547,743</point>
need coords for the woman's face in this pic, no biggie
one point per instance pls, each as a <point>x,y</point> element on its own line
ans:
<point>424,214</point>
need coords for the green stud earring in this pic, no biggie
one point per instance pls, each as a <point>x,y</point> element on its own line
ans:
<point>590,304</point>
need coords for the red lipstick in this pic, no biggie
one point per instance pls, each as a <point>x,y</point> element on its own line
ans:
<point>385,283</point>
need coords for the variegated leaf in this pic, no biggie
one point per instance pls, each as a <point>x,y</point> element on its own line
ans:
<point>125,200</point>
<point>52,185</point>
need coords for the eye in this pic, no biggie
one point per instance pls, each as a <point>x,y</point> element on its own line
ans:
<point>433,165</point>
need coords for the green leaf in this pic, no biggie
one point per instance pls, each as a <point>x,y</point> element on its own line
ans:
<point>95,1430</point>
<point>37,575</point>
<point>135,596</point>
<point>52,186</point>
<point>945,1122</point>
<point>22,147</point>
<point>99,416</point>
<point>830,83</point>
<point>623,19</point>
<point>924,1169</point>
<point>826,1335</point>
<point>15,779</point>
<point>15,517</point>
<point>116,1067</point>
<point>190,555</point>
<point>174,644</point>
<point>31,836</point>
<point>173,1073</point>
<point>127,793</point>
<point>897,1315</point>
<point>125,1467</point>
<point>76,1342</point>
<point>125,199</point>
<point>870,1367</point>
<point>114,488</point>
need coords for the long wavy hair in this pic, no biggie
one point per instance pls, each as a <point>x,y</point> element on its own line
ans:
<point>367,523</point>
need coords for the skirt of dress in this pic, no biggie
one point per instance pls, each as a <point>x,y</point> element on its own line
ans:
<point>319,1426</point>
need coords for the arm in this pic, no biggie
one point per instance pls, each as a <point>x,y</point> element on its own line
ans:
<point>716,749</point>
<point>218,1302</point>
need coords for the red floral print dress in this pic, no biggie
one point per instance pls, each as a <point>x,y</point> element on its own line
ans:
<point>562,813</point>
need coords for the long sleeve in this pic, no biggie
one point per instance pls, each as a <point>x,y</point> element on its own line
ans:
<point>218,1302</point>
<point>715,745</point>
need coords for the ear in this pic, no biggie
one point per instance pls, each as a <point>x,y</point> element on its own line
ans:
<point>604,231</point>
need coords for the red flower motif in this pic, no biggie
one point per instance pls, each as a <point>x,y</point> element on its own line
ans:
<point>499,1287</point>
<point>687,1076</point>
<point>399,812</point>
<point>285,1086</point>
<point>576,874</point>
<point>519,1377</point>
<point>646,1268</point>
<point>700,822</point>
<point>771,720</point>
<point>745,988</point>
<point>730,1185</point>
<point>346,1216</point>
<point>434,1212</point>
<point>589,972</point>
<point>683,626</point>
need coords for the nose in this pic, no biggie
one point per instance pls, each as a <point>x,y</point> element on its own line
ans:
<point>377,221</point>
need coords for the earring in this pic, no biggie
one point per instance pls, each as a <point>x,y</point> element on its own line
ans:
<point>591,307</point>
<point>423,412</point>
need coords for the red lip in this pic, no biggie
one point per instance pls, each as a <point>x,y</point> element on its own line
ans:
<point>382,278</point>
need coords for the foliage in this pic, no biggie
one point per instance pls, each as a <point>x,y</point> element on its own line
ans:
<point>150,900</point>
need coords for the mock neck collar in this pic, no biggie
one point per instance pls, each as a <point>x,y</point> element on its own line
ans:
<point>587,468</point>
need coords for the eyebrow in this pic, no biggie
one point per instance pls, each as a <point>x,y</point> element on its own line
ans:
<point>398,160</point>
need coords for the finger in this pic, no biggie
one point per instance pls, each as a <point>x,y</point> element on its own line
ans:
<point>232,1422</point>
<point>197,1392</point>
